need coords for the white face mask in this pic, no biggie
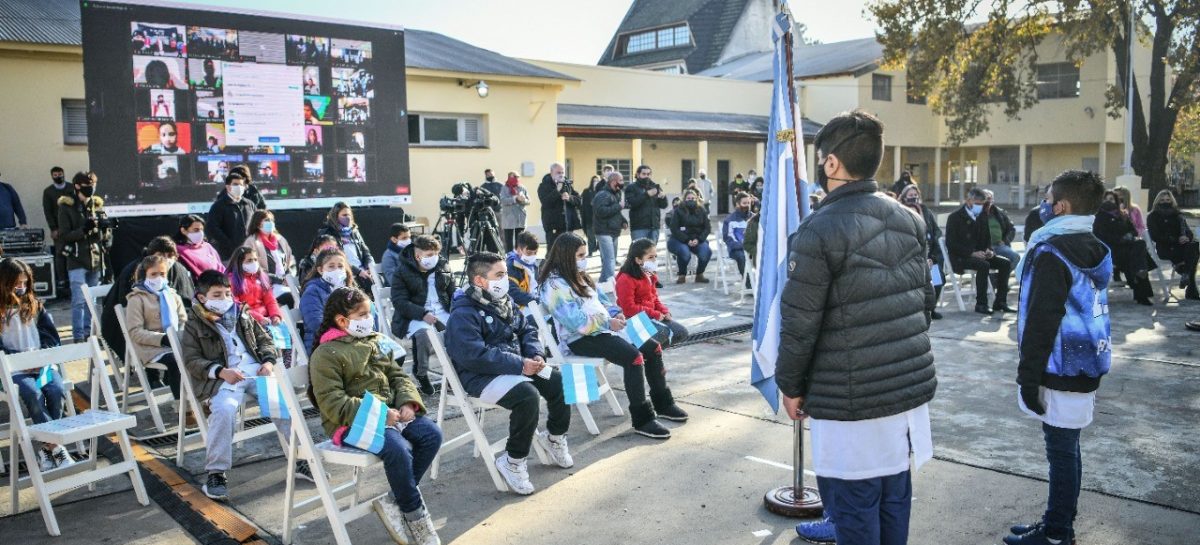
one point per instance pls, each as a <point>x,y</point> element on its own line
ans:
<point>219,306</point>
<point>157,283</point>
<point>250,267</point>
<point>404,243</point>
<point>650,266</point>
<point>361,328</point>
<point>236,191</point>
<point>498,287</point>
<point>582,264</point>
<point>196,238</point>
<point>529,259</point>
<point>336,277</point>
<point>20,292</point>
<point>430,262</point>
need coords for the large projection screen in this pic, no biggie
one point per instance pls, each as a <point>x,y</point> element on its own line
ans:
<point>177,95</point>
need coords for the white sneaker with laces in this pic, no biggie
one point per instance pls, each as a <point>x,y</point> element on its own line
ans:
<point>515,473</point>
<point>45,459</point>
<point>422,530</point>
<point>62,458</point>
<point>392,519</point>
<point>556,448</point>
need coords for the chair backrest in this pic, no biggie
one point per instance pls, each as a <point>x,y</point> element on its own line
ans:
<point>130,353</point>
<point>539,318</point>
<point>299,352</point>
<point>377,273</point>
<point>449,373</point>
<point>608,288</point>
<point>383,307</point>
<point>185,378</point>
<point>300,434</point>
<point>293,286</point>
<point>23,362</point>
<point>92,296</point>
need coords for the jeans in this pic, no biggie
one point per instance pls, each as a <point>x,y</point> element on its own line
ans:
<point>590,235</point>
<point>608,256</point>
<point>649,234</point>
<point>1066,473</point>
<point>81,319</point>
<point>640,368</point>
<point>406,456</point>
<point>523,401</point>
<point>869,511</point>
<point>422,350</point>
<point>218,456</point>
<point>1006,251</point>
<point>683,255</point>
<point>41,404</point>
<point>739,257</point>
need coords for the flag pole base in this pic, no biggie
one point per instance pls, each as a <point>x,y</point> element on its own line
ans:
<point>783,501</point>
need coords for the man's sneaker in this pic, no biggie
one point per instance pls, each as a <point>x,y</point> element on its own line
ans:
<point>424,385</point>
<point>304,472</point>
<point>1022,529</point>
<point>817,531</point>
<point>654,430</point>
<point>935,315</point>
<point>422,530</point>
<point>216,487</point>
<point>673,413</point>
<point>155,366</point>
<point>62,458</point>
<point>45,459</point>
<point>515,473</point>
<point>1036,536</point>
<point>392,519</point>
<point>983,309</point>
<point>557,449</point>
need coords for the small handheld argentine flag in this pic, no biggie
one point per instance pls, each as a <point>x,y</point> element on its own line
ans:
<point>580,384</point>
<point>369,422</point>
<point>270,398</point>
<point>640,329</point>
<point>280,336</point>
<point>45,376</point>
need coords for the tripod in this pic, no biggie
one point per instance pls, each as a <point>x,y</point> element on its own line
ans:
<point>482,236</point>
<point>447,228</point>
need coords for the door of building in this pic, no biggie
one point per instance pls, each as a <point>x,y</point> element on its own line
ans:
<point>722,186</point>
<point>687,171</point>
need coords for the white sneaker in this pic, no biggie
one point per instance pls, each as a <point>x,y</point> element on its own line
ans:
<point>45,459</point>
<point>392,519</point>
<point>422,530</point>
<point>62,458</point>
<point>516,474</point>
<point>557,449</point>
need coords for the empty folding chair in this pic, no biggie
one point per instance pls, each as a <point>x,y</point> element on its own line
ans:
<point>558,358</point>
<point>90,425</point>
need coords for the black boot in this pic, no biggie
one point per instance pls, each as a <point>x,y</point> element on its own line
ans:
<point>644,422</point>
<point>1142,291</point>
<point>660,393</point>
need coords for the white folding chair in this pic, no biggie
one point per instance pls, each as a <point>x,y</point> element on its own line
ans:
<point>7,430</point>
<point>134,363</point>
<point>92,425</point>
<point>377,274</point>
<point>293,286</point>
<point>93,296</point>
<point>749,285</point>
<point>302,446</point>
<point>1165,281</point>
<point>606,391</point>
<point>723,260</point>
<point>299,369</point>
<point>958,281</point>
<point>188,402</point>
<point>473,410</point>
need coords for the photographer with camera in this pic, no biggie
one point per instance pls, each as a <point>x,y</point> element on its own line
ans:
<point>560,204</point>
<point>85,232</point>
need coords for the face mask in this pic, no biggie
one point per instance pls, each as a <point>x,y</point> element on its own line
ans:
<point>529,259</point>
<point>157,283</point>
<point>429,262</point>
<point>581,264</point>
<point>20,292</point>
<point>362,327</point>
<point>976,209</point>
<point>87,191</point>
<point>196,238</point>
<point>1046,211</point>
<point>650,266</point>
<point>219,306</point>
<point>344,221</point>
<point>498,287</point>
<point>691,204</point>
<point>402,244</point>
<point>336,277</point>
<point>822,178</point>
<point>491,178</point>
<point>250,268</point>
<point>268,227</point>
<point>236,191</point>
<point>912,201</point>
<point>59,181</point>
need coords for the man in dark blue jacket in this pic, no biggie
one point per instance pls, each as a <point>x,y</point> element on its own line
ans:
<point>496,353</point>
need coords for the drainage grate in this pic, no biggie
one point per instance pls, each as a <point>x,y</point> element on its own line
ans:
<point>171,439</point>
<point>702,336</point>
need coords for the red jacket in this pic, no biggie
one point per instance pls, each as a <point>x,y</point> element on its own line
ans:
<point>258,300</point>
<point>637,294</point>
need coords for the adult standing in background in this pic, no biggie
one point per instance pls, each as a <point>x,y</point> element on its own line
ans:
<point>495,188</point>
<point>708,191</point>
<point>81,224</point>
<point>560,204</point>
<point>645,200</point>
<point>589,193</point>
<point>608,223</point>
<point>867,396</point>
<point>228,219</point>
<point>513,200</point>
<point>10,206</point>
<point>252,193</point>
<point>57,189</point>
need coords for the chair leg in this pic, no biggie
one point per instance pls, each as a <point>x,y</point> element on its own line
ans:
<point>588,421</point>
<point>39,489</point>
<point>482,445</point>
<point>289,493</point>
<point>441,414</point>
<point>15,452</point>
<point>610,396</point>
<point>181,434</point>
<point>135,474</point>
<point>151,400</point>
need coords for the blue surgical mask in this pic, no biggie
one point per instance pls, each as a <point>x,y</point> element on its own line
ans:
<point>976,209</point>
<point>1046,211</point>
<point>268,227</point>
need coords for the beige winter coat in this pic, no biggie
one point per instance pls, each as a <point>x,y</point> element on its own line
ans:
<point>144,320</point>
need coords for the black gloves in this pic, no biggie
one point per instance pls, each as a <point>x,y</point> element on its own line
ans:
<point>165,342</point>
<point>1029,395</point>
<point>89,224</point>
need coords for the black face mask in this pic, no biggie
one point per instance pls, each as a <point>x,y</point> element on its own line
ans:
<point>86,190</point>
<point>58,180</point>
<point>491,178</point>
<point>822,178</point>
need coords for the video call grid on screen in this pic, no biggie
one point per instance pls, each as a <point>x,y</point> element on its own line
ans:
<point>179,95</point>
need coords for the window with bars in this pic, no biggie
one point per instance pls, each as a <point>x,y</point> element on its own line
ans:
<point>881,87</point>
<point>624,166</point>
<point>74,121</point>
<point>1057,80</point>
<point>425,129</point>
<point>657,39</point>
<point>911,95</point>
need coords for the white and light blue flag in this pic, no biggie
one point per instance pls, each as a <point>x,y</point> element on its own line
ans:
<point>270,398</point>
<point>580,383</point>
<point>369,422</point>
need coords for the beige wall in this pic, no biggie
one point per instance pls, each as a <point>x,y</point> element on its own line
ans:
<point>826,97</point>
<point>905,125</point>
<point>31,93</point>
<point>633,88</point>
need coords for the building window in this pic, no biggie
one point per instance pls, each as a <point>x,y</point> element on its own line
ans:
<point>623,166</point>
<point>74,121</point>
<point>881,87</point>
<point>445,130</point>
<point>911,95</point>
<point>673,69</point>
<point>662,38</point>
<point>1057,80</point>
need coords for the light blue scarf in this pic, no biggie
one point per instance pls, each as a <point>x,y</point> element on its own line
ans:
<point>1060,225</point>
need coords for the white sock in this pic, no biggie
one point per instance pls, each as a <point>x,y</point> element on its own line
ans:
<point>556,438</point>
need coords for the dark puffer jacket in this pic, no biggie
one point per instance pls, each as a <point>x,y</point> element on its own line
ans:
<point>688,224</point>
<point>644,210</point>
<point>855,309</point>
<point>410,287</point>
<point>606,212</point>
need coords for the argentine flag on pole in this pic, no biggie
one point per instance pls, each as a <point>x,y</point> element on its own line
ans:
<point>369,422</point>
<point>270,398</point>
<point>784,194</point>
<point>580,384</point>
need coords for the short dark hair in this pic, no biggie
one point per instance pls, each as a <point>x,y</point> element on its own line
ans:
<point>527,240</point>
<point>856,137</point>
<point>398,229</point>
<point>211,279</point>
<point>427,242</point>
<point>56,169</point>
<point>480,263</point>
<point>162,245</point>
<point>640,168</point>
<point>234,175</point>
<point>245,170</point>
<point>1083,189</point>
<point>83,178</point>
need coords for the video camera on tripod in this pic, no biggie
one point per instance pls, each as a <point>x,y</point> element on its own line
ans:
<point>468,221</point>
<point>465,199</point>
